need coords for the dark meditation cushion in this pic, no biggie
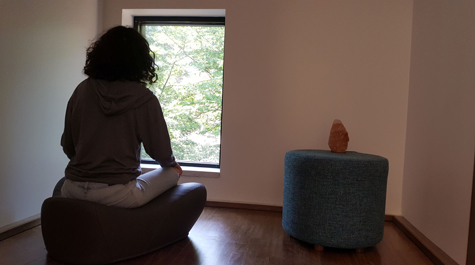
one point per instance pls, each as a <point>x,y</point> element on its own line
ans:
<point>83,232</point>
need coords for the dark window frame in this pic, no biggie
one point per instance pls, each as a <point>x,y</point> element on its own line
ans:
<point>141,21</point>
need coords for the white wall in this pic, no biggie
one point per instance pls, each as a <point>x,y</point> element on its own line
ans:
<point>42,51</point>
<point>291,67</point>
<point>441,126</point>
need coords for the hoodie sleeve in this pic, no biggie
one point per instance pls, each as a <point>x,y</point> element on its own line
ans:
<point>153,132</point>
<point>67,139</point>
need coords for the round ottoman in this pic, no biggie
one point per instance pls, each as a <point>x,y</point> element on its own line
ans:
<point>334,199</point>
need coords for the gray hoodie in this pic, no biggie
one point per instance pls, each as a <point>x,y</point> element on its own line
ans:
<point>104,126</point>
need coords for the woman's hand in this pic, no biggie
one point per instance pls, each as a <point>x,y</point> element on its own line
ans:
<point>178,170</point>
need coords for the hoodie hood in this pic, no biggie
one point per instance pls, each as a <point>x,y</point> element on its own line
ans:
<point>118,97</point>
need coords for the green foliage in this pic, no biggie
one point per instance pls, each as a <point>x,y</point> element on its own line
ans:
<point>190,60</point>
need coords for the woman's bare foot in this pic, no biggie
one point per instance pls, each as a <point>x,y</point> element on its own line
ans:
<point>178,170</point>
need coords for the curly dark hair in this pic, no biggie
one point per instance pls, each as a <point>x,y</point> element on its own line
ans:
<point>121,54</point>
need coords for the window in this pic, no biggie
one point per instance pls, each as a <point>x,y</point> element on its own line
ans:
<point>190,55</point>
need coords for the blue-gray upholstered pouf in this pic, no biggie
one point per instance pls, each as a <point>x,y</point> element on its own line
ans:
<point>335,200</point>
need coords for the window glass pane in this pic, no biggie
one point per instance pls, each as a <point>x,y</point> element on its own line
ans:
<point>190,61</point>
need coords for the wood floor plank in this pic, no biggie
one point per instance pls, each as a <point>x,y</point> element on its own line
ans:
<point>235,237</point>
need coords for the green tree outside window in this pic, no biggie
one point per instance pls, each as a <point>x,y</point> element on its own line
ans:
<point>190,61</point>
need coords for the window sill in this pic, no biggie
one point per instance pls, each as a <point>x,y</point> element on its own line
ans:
<point>201,172</point>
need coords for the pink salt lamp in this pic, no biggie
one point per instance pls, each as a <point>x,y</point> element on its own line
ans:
<point>338,141</point>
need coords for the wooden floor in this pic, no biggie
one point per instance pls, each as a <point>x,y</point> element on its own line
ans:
<point>233,236</point>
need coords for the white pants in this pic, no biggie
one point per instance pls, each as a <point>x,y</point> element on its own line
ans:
<point>131,195</point>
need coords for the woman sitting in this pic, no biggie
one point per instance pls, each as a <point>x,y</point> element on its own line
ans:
<point>108,117</point>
